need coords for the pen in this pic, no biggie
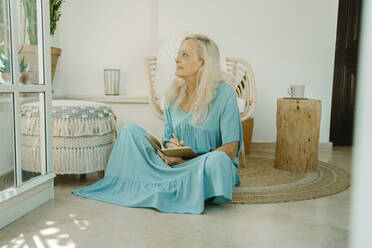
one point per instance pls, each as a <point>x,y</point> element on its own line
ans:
<point>175,137</point>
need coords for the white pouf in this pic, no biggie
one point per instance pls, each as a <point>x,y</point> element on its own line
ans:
<point>83,136</point>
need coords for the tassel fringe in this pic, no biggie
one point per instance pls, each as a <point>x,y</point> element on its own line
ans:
<point>70,127</point>
<point>69,160</point>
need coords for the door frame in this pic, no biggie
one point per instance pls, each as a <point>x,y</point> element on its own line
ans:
<point>338,76</point>
<point>23,197</point>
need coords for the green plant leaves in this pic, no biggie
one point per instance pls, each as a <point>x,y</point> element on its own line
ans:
<point>55,14</point>
<point>30,12</point>
<point>5,60</point>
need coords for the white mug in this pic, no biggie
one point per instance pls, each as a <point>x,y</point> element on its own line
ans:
<point>296,91</point>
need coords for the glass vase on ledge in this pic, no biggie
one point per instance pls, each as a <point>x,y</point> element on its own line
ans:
<point>111,81</point>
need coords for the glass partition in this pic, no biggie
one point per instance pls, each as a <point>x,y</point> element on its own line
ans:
<point>7,157</point>
<point>27,48</point>
<point>5,58</point>
<point>30,138</point>
<point>28,43</point>
<point>26,155</point>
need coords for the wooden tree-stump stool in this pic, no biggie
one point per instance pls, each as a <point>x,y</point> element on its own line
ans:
<point>297,139</point>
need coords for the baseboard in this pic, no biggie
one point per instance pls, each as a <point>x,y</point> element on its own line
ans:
<point>22,204</point>
<point>260,146</point>
<point>325,147</point>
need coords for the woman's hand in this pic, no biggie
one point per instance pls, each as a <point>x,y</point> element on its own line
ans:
<point>173,143</point>
<point>171,160</point>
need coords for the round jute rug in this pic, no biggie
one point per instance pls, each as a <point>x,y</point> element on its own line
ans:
<point>262,183</point>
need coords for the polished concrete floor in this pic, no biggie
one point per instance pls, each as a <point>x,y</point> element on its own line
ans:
<point>70,221</point>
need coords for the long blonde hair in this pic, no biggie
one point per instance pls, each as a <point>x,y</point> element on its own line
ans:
<point>209,77</point>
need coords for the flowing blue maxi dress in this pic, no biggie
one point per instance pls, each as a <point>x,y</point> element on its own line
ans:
<point>136,176</point>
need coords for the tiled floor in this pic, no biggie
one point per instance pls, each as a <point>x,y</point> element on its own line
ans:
<point>70,221</point>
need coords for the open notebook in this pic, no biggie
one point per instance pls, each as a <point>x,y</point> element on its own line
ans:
<point>184,152</point>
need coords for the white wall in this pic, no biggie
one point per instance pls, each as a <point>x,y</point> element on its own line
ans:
<point>96,34</point>
<point>286,42</point>
<point>361,187</point>
<point>140,114</point>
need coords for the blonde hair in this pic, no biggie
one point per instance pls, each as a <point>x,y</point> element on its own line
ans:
<point>209,76</point>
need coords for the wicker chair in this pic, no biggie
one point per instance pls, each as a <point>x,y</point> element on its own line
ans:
<point>242,80</point>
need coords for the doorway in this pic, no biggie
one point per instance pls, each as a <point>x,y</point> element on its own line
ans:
<point>345,72</point>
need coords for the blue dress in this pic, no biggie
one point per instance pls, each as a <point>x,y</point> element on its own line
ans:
<point>136,176</point>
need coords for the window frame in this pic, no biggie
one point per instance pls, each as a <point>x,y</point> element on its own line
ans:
<point>44,87</point>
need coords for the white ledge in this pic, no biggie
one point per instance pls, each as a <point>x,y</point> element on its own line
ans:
<point>105,98</point>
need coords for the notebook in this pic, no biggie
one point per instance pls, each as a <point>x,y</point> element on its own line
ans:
<point>184,152</point>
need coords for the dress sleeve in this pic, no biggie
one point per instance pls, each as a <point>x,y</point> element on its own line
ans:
<point>168,127</point>
<point>230,123</point>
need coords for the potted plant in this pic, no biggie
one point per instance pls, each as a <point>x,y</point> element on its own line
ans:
<point>30,51</point>
<point>23,70</point>
<point>5,68</point>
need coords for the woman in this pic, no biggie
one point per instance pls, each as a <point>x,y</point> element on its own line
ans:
<point>202,112</point>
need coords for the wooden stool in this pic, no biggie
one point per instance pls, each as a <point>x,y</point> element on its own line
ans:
<point>297,140</point>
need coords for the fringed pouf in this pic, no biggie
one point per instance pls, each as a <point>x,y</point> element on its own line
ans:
<point>83,136</point>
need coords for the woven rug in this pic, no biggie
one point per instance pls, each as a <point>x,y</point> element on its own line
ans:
<point>262,183</point>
